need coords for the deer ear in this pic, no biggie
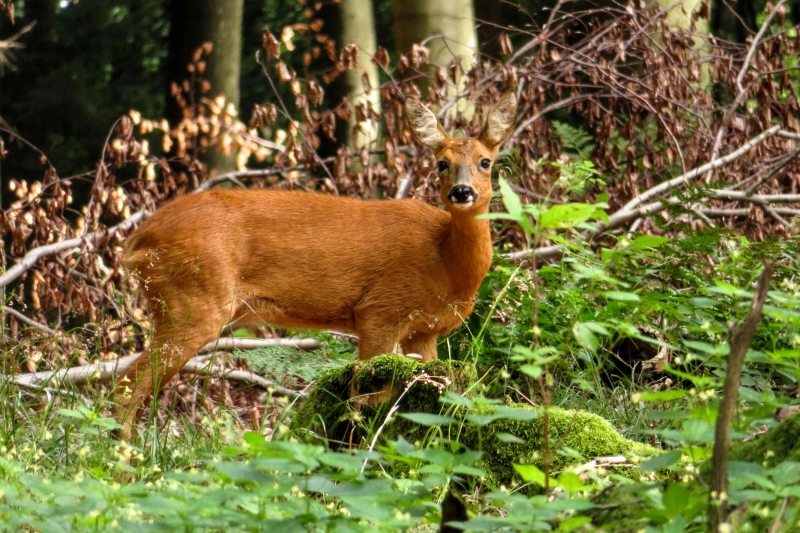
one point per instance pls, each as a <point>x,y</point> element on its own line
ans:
<point>424,125</point>
<point>501,121</point>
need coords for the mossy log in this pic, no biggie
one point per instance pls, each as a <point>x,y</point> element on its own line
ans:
<point>352,401</point>
<point>349,404</point>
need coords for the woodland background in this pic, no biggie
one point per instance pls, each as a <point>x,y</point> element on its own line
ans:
<point>673,124</point>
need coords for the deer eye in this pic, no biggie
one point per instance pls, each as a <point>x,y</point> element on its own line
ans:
<point>442,165</point>
<point>485,164</point>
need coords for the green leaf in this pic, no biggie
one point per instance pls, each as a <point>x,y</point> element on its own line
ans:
<point>660,462</point>
<point>530,474</point>
<point>675,498</point>
<point>563,216</point>
<point>585,337</point>
<point>533,371</point>
<point>570,482</point>
<point>621,296</point>
<point>509,438</point>
<point>516,413</point>
<point>648,241</point>
<point>426,419</point>
<point>659,396</point>
<point>511,199</point>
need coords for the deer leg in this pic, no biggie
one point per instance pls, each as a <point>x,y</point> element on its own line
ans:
<point>374,337</point>
<point>423,344</point>
<point>174,343</point>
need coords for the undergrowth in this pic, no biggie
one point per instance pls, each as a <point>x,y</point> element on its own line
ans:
<point>549,340</point>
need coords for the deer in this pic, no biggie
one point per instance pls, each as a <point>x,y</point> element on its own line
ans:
<point>390,271</point>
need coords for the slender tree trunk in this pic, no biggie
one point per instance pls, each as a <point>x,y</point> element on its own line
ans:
<point>193,23</point>
<point>358,27</point>
<point>446,26</point>
<point>352,22</point>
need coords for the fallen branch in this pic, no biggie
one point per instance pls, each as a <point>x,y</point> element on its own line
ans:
<point>108,370</point>
<point>27,321</point>
<point>242,376</point>
<point>230,344</point>
<point>103,371</point>
<point>711,165</point>
<point>739,341</point>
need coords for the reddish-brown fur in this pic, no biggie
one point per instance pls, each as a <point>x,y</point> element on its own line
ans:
<point>390,271</point>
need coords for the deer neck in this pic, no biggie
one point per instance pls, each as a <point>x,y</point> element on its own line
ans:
<point>467,251</point>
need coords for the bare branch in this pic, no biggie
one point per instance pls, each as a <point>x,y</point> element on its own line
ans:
<point>230,344</point>
<point>683,178</point>
<point>208,369</point>
<point>39,252</point>
<point>28,321</point>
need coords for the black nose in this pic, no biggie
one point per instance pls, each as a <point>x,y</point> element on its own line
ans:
<point>462,194</point>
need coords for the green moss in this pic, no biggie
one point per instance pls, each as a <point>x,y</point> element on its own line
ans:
<point>350,402</point>
<point>779,444</point>
<point>576,436</point>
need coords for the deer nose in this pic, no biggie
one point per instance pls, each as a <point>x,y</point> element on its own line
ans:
<point>462,194</point>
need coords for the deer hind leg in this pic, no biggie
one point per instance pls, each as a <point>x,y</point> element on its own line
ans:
<point>423,344</point>
<point>179,333</point>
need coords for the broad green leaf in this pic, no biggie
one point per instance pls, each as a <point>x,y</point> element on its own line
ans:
<point>530,474</point>
<point>426,419</point>
<point>510,199</point>
<point>621,296</point>
<point>533,371</point>
<point>570,482</point>
<point>660,462</point>
<point>516,413</point>
<point>675,498</point>
<point>659,396</point>
<point>509,438</point>
<point>648,241</point>
<point>563,216</point>
<point>585,337</point>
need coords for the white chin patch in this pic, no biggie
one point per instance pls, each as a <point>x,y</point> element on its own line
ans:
<point>463,205</point>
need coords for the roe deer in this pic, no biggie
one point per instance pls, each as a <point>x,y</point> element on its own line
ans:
<point>390,271</point>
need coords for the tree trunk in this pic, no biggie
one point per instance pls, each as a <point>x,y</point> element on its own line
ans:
<point>447,28</point>
<point>192,23</point>
<point>351,22</point>
<point>358,27</point>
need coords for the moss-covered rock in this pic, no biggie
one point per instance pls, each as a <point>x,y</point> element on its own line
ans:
<point>781,443</point>
<point>349,402</point>
<point>575,436</point>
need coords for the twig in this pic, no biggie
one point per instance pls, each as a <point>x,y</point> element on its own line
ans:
<point>404,187</point>
<point>739,341</point>
<point>30,322</point>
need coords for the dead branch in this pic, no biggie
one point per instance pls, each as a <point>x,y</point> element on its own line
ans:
<point>28,321</point>
<point>39,252</point>
<point>230,344</point>
<point>242,376</point>
<point>107,370</point>
<point>739,341</point>
<point>741,90</point>
<point>684,178</point>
